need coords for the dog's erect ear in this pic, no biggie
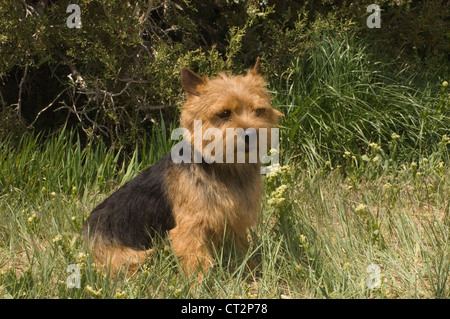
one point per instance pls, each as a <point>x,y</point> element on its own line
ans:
<point>257,67</point>
<point>278,113</point>
<point>190,81</point>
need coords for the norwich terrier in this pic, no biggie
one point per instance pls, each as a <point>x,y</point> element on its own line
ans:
<point>213,193</point>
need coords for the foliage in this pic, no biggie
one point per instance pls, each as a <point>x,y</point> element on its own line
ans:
<point>112,76</point>
<point>364,177</point>
<point>319,230</point>
<point>339,99</point>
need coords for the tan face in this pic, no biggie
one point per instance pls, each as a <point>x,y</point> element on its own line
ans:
<point>225,107</point>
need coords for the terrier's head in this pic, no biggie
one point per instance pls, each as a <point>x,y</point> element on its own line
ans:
<point>232,114</point>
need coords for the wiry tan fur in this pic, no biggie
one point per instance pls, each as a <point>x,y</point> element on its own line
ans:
<point>210,202</point>
<point>113,258</point>
<point>224,202</point>
<point>209,209</point>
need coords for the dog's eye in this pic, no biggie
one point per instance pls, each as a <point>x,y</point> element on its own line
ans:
<point>224,114</point>
<point>259,111</point>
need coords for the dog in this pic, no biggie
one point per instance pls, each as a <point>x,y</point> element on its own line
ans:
<point>196,203</point>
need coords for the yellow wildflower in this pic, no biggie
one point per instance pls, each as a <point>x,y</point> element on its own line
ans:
<point>119,294</point>
<point>361,208</point>
<point>57,238</point>
<point>93,291</point>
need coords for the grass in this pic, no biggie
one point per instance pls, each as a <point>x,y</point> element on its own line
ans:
<point>364,181</point>
<point>338,98</point>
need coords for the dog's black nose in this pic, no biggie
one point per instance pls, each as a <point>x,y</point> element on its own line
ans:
<point>250,138</point>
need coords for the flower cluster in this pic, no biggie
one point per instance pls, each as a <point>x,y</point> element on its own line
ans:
<point>57,239</point>
<point>361,208</point>
<point>93,291</point>
<point>33,218</point>
<point>120,294</point>
<point>278,197</point>
<point>375,146</point>
<point>278,184</point>
<point>278,171</point>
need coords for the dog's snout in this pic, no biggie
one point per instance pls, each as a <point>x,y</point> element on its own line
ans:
<point>250,138</point>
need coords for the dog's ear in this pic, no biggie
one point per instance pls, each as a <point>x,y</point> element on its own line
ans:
<point>278,113</point>
<point>190,81</point>
<point>256,70</point>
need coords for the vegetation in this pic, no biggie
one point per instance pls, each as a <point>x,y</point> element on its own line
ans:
<point>111,78</point>
<point>363,188</point>
<point>319,229</point>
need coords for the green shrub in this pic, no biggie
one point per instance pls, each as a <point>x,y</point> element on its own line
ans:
<point>114,75</point>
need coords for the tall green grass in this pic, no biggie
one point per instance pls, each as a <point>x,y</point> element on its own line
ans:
<point>339,98</point>
<point>350,194</point>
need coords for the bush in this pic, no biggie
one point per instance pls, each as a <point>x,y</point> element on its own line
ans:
<point>115,75</point>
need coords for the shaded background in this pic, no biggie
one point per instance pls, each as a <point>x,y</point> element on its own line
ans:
<point>118,75</point>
